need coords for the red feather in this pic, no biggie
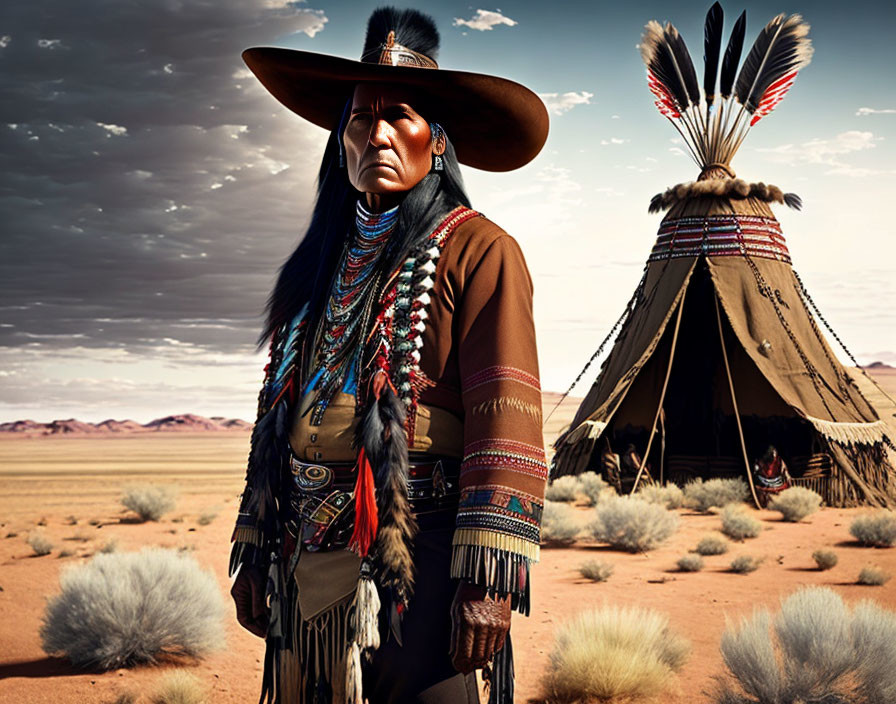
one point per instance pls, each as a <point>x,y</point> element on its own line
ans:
<point>773,95</point>
<point>366,519</point>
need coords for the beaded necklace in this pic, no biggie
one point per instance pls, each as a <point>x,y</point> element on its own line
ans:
<point>351,297</point>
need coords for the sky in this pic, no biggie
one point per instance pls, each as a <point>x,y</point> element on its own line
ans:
<point>150,187</point>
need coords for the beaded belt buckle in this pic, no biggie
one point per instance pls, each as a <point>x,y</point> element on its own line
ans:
<point>321,514</point>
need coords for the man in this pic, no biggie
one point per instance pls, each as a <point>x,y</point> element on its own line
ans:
<point>396,476</point>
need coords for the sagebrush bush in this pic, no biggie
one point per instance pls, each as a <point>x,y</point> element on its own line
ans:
<point>737,524</point>
<point>825,559</point>
<point>877,529</point>
<point>559,525</point>
<point>814,650</point>
<point>613,654</point>
<point>632,523</point>
<point>742,564</point>
<point>596,570</point>
<point>668,495</point>
<point>39,543</point>
<point>795,503</point>
<point>206,518</point>
<point>125,608</point>
<point>150,502</point>
<point>179,687</point>
<point>703,495</point>
<point>873,576</point>
<point>712,545</point>
<point>592,486</point>
<point>690,563</point>
<point>562,489</point>
<point>111,545</point>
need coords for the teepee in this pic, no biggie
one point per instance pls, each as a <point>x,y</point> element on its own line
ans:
<point>719,355</point>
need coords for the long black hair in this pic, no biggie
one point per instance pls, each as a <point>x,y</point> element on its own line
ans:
<point>306,275</point>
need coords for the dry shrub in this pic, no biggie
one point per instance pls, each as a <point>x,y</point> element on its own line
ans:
<point>562,489</point>
<point>668,495</point>
<point>39,543</point>
<point>632,523</point>
<point>111,545</point>
<point>872,576</point>
<point>712,545</point>
<point>613,654</point>
<point>179,687</point>
<point>148,501</point>
<point>795,503</point>
<point>592,486</point>
<point>742,564</point>
<point>690,563</point>
<point>126,608</point>
<point>814,650</point>
<point>703,495</point>
<point>206,518</point>
<point>596,570</point>
<point>558,524</point>
<point>876,529</point>
<point>66,552</point>
<point>825,559</point>
<point>737,524</point>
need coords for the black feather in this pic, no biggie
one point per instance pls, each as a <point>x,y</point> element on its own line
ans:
<point>661,61</point>
<point>712,49</point>
<point>685,64</point>
<point>780,48</point>
<point>732,55</point>
<point>793,201</point>
<point>412,28</point>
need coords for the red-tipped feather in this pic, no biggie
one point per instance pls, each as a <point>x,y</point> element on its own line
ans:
<point>773,95</point>
<point>665,102</point>
<point>365,508</point>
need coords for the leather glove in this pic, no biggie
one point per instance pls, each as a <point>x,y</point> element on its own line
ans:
<point>479,625</point>
<point>248,595</point>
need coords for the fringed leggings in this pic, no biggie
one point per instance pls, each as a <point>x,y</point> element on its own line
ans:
<point>417,672</point>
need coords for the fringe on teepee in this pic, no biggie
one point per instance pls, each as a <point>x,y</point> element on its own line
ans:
<point>851,433</point>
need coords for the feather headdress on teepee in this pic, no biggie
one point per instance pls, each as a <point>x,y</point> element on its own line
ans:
<point>714,124</point>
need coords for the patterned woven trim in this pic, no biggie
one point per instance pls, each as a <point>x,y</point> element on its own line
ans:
<point>720,236</point>
<point>851,433</point>
<point>531,460</point>
<point>506,403</point>
<point>500,373</point>
<point>501,510</point>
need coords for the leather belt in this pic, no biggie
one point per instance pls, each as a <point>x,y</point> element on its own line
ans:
<point>320,508</point>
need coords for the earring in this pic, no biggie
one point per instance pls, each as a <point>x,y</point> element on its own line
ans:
<point>438,145</point>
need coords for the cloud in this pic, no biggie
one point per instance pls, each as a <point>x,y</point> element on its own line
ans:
<point>826,152</point>
<point>613,140</point>
<point>864,112</point>
<point>149,188</point>
<point>484,21</point>
<point>559,103</point>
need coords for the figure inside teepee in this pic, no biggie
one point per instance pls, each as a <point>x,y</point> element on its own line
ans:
<point>719,355</point>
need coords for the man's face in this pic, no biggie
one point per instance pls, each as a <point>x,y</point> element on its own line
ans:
<point>388,145</point>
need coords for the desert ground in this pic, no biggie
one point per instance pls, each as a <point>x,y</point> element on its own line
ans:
<point>70,488</point>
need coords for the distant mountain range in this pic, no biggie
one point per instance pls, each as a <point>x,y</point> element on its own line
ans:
<point>183,422</point>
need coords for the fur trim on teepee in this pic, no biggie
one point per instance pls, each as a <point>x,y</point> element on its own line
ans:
<point>722,188</point>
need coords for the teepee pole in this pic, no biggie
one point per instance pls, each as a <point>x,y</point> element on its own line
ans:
<point>659,407</point>
<point>740,430</point>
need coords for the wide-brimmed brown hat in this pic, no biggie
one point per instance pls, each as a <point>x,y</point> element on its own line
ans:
<point>494,123</point>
